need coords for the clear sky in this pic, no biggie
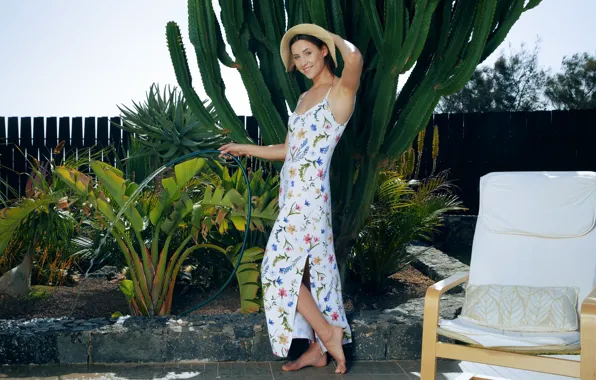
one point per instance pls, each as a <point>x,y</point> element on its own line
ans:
<point>83,58</point>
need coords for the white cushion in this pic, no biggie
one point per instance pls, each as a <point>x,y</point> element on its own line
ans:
<point>533,229</point>
<point>490,337</point>
<point>553,205</point>
<point>522,308</point>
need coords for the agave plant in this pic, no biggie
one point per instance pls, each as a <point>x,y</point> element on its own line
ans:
<point>145,235</point>
<point>165,126</point>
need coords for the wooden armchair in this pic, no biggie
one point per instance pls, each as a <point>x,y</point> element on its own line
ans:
<point>534,230</point>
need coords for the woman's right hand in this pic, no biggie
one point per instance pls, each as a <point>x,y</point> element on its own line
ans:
<point>234,149</point>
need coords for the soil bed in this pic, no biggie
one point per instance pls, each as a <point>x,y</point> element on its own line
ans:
<point>100,298</point>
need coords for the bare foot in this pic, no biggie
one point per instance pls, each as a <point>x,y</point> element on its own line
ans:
<point>312,357</point>
<point>335,348</point>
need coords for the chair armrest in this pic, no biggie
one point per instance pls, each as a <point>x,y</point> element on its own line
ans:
<point>588,337</point>
<point>433,297</point>
<point>436,290</point>
<point>589,305</point>
<point>430,319</point>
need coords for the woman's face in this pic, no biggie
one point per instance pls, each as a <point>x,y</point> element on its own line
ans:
<point>308,58</point>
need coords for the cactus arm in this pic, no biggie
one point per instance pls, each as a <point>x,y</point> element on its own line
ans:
<point>420,113</point>
<point>416,35</point>
<point>475,48</point>
<point>421,80</point>
<point>222,54</point>
<point>386,80</point>
<point>507,18</point>
<point>337,18</point>
<point>357,31</point>
<point>180,63</point>
<point>445,17</point>
<point>414,111</point>
<point>395,28</point>
<point>317,12</point>
<point>373,23</point>
<point>202,34</point>
<point>463,20</point>
<point>297,12</point>
<point>280,16</point>
<point>272,39</point>
<point>531,4</point>
<point>271,125</point>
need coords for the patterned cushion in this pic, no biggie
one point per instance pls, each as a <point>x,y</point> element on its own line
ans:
<point>522,308</point>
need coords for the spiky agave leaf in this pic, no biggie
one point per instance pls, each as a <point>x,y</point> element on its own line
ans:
<point>165,126</point>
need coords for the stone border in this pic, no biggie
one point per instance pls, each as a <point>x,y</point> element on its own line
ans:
<point>394,334</point>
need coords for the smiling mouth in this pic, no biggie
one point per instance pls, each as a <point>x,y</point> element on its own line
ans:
<point>307,69</point>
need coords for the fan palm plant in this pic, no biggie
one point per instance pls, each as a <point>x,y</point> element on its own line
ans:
<point>403,211</point>
<point>41,222</point>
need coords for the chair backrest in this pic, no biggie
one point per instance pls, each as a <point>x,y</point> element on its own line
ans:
<point>536,229</point>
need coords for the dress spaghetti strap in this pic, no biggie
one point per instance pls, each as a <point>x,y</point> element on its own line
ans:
<point>328,92</point>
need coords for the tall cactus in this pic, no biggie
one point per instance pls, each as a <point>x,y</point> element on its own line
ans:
<point>440,41</point>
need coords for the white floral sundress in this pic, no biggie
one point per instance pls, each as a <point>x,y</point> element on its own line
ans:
<point>303,232</point>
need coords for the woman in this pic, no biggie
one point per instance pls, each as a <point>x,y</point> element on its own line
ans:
<point>301,284</point>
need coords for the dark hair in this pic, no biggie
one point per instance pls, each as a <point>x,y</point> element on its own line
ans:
<point>318,43</point>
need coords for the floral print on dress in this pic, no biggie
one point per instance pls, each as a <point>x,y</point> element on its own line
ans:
<point>303,233</point>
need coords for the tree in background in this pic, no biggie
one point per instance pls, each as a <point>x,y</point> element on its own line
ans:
<point>575,87</point>
<point>514,83</point>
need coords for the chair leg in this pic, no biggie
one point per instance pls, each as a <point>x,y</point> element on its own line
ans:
<point>428,362</point>
<point>588,339</point>
<point>428,366</point>
<point>587,365</point>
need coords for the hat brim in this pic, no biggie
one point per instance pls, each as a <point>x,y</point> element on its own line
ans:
<point>310,29</point>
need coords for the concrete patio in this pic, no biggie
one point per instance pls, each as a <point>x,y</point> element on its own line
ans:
<point>399,370</point>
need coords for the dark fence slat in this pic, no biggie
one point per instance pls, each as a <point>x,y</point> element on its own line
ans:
<point>89,132</point>
<point>442,123</point>
<point>584,130</point>
<point>252,128</point>
<point>474,159</point>
<point>64,131</point>
<point>103,132</point>
<point>38,149</point>
<point>26,138</point>
<point>557,143</point>
<point>494,133</point>
<point>51,132</point>
<point>115,138</point>
<point>115,132</point>
<point>125,140</point>
<point>538,124</point>
<point>77,132</point>
<point>5,157</point>
<point>13,141</point>
<point>2,130</point>
<point>425,164</point>
<point>517,142</point>
<point>13,130</point>
<point>38,131</point>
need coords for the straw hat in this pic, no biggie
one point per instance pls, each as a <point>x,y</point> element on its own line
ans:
<point>310,29</point>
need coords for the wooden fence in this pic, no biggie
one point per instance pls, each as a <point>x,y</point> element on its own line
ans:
<point>471,145</point>
<point>26,137</point>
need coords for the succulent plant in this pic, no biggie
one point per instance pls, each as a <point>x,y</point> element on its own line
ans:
<point>166,126</point>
